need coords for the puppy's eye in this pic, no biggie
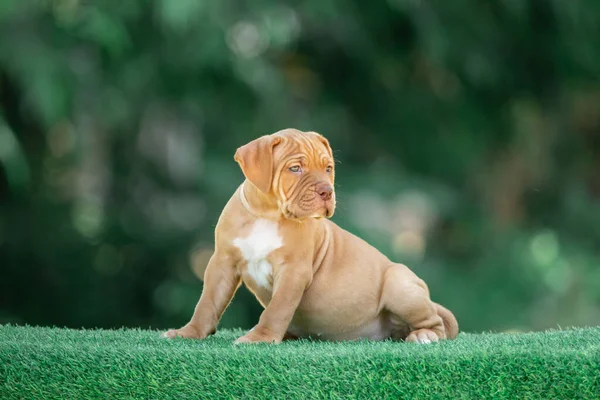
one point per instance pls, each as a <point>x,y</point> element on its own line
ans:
<point>295,169</point>
<point>329,169</point>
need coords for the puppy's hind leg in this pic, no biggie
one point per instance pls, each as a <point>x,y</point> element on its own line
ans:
<point>406,298</point>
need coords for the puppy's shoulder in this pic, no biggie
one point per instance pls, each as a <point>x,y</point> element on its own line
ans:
<point>232,217</point>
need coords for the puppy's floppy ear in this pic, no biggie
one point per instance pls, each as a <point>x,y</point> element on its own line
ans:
<point>256,161</point>
<point>326,143</point>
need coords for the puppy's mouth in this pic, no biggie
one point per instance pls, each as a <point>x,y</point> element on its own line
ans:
<point>329,208</point>
<point>323,210</point>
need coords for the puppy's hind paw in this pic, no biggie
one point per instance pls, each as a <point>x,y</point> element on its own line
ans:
<point>422,336</point>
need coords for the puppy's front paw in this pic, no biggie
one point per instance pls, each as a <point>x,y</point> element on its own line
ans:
<point>259,335</point>
<point>423,336</point>
<point>188,332</point>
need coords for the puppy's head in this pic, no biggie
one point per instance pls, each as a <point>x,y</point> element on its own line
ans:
<point>295,167</point>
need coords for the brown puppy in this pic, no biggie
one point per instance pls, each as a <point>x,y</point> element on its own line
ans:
<point>312,277</point>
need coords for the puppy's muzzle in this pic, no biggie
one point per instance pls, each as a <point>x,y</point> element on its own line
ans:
<point>325,191</point>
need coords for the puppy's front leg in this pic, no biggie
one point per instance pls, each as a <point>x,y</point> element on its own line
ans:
<point>288,289</point>
<point>221,281</point>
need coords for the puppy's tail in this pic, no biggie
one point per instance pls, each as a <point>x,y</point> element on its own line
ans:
<point>450,322</point>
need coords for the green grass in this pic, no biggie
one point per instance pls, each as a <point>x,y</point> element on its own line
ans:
<point>50,363</point>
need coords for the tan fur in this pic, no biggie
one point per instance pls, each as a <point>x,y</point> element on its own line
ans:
<point>323,281</point>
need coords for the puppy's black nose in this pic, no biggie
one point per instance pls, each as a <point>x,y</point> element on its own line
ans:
<point>325,191</point>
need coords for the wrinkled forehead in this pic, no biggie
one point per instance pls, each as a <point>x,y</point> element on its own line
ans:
<point>305,145</point>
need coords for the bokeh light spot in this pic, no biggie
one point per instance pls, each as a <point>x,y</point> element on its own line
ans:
<point>544,248</point>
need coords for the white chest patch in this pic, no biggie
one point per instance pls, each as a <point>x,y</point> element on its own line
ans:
<point>263,239</point>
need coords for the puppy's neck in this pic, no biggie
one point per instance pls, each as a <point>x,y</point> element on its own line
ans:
<point>259,204</point>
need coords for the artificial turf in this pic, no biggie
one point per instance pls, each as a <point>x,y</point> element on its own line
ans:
<point>51,363</point>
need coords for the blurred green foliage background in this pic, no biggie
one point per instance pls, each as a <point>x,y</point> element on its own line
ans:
<point>467,134</point>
